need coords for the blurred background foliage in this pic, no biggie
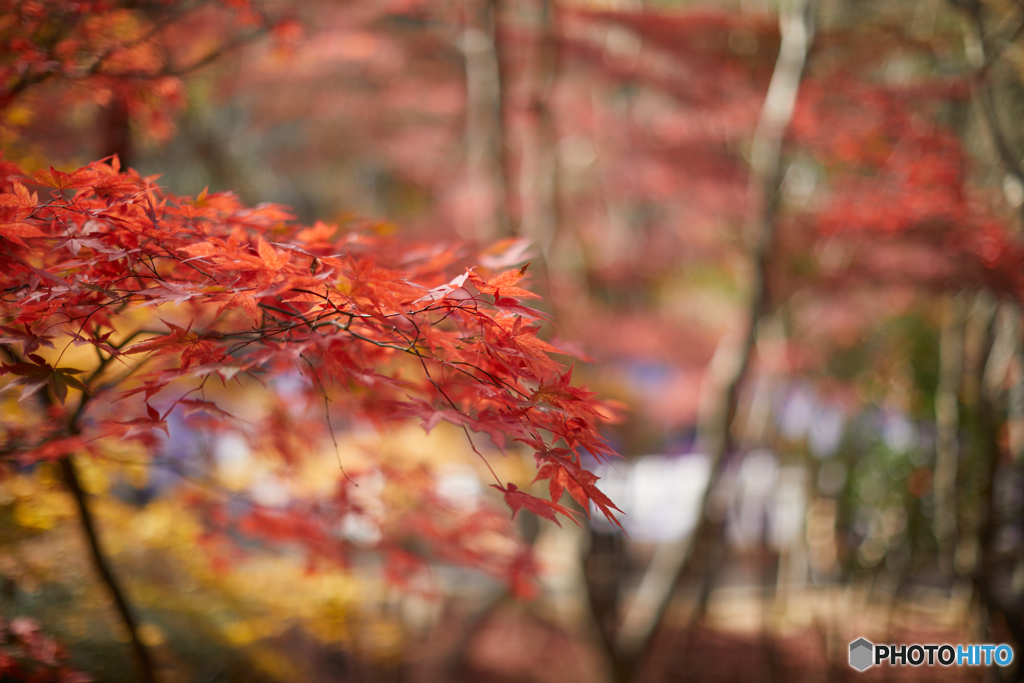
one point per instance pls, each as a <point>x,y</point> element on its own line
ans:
<point>868,481</point>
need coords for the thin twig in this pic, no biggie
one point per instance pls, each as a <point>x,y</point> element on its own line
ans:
<point>327,413</point>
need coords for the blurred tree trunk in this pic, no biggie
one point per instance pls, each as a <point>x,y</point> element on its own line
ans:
<point>117,132</point>
<point>730,364</point>
<point>992,571</point>
<point>486,157</point>
<point>947,423</point>
<point>539,177</point>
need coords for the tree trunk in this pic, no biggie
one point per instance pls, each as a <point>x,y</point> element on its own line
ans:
<point>147,671</point>
<point>729,366</point>
<point>486,158</point>
<point>947,423</point>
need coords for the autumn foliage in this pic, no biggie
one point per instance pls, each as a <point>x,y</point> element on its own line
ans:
<point>127,57</point>
<point>147,332</point>
<point>173,294</point>
<point>131,319</point>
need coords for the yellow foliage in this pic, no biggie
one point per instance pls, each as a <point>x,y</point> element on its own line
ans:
<point>39,502</point>
<point>93,476</point>
<point>151,634</point>
<point>275,664</point>
<point>43,511</point>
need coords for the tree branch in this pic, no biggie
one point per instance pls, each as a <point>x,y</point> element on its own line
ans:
<point>85,516</point>
<point>142,656</point>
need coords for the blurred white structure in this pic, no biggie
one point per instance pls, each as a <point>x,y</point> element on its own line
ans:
<point>660,495</point>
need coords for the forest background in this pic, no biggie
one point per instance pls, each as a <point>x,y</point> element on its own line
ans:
<point>782,241</point>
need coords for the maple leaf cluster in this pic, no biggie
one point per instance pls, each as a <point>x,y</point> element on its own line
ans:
<point>404,521</point>
<point>900,192</point>
<point>380,329</point>
<point>130,55</point>
<point>889,161</point>
<point>894,193</point>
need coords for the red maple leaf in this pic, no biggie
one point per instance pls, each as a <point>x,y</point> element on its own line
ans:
<point>517,500</point>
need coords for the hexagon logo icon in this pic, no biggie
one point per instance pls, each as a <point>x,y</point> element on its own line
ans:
<point>861,654</point>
